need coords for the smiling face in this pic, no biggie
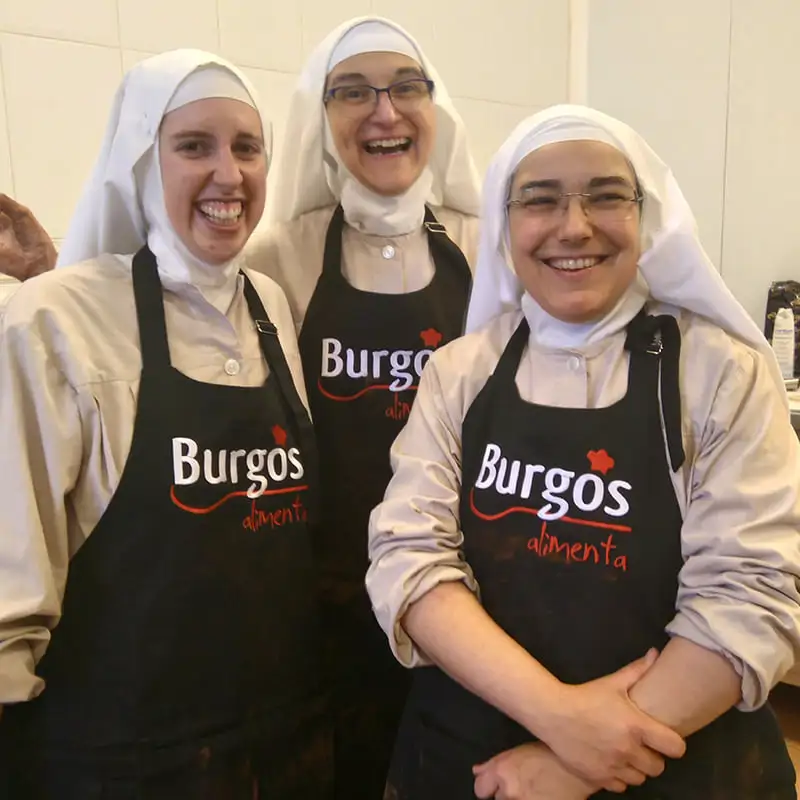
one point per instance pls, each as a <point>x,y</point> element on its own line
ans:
<point>578,261</point>
<point>214,170</point>
<point>385,146</point>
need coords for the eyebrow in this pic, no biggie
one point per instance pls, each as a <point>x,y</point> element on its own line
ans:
<point>358,77</point>
<point>594,183</point>
<point>200,134</point>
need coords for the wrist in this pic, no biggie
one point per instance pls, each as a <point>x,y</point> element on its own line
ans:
<point>545,717</point>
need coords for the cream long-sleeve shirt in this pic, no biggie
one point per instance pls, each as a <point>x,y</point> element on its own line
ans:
<point>738,491</point>
<point>70,365</point>
<point>292,252</point>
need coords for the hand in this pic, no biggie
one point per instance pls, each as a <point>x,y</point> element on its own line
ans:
<point>25,248</point>
<point>529,772</point>
<point>602,736</point>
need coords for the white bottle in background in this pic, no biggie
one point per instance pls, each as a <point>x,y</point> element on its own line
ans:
<point>783,341</point>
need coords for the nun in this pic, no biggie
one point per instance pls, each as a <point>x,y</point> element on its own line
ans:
<point>158,628</point>
<point>589,548</point>
<point>372,229</point>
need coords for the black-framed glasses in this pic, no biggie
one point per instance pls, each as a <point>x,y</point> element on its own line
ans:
<point>600,205</point>
<point>357,99</point>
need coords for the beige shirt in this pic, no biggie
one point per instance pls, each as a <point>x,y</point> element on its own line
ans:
<point>291,253</point>
<point>8,286</point>
<point>737,491</point>
<point>69,370</point>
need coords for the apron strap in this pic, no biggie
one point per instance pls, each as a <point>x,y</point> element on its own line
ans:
<point>149,297</point>
<point>444,248</point>
<point>276,360</point>
<point>332,254</point>
<point>660,338</point>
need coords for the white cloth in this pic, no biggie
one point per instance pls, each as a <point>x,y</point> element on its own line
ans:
<point>122,206</point>
<point>673,264</point>
<point>309,175</point>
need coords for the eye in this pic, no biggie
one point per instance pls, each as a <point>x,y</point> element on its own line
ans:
<point>352,94</point>
<point>608,199</point>
<point>249,149</point>
<point>410,88</point>
<point>540,201</point>
<point>193,147</point>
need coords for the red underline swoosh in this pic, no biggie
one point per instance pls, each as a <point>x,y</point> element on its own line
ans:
<point>215,506</point>
<point>347,399</point>
<point>535,511</point>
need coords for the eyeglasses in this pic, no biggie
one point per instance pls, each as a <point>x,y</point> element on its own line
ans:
<point>602,205</point>
<point>361,99</point>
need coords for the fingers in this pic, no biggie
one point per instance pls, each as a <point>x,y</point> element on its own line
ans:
<point>632,673</point>
<point>486,785</point>
<point>647,762</point>
<point>662,739</point>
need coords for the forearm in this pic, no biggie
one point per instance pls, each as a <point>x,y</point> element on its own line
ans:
<point>450,626</point>
<point>688,687</point>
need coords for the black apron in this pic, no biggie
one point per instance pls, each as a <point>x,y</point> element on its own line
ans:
<point>185,666</point>
<point>573,530</point>
<point>362,355</point>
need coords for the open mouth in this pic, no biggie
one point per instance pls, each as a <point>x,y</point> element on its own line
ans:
<point>222,212</point>
<point>573,264</point>
<point>388,147</point>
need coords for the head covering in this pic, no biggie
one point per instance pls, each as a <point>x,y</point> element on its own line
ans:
<point>673,268</point>
<point>122,206</point>
<point>310,175</point>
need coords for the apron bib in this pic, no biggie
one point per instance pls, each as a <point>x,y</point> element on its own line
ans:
<point>363,353</point>
<point>573,530</point>
<point>185,665</point>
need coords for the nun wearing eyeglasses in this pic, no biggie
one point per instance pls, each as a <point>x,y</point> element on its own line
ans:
<point>589,549</point>
<point>373,211</point>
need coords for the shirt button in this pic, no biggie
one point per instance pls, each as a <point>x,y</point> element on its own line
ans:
<point>388,251</point>
<point>574,363</point>
<point>232,366</point>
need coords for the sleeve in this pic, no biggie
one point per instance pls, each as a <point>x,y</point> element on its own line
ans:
<point>738,593</point>
<point>40,460</point>
<point>415,536</point>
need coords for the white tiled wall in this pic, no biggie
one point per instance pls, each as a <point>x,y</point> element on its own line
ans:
<point>60,63</point>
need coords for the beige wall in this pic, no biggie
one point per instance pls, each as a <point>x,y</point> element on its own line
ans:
<point>713,84</point>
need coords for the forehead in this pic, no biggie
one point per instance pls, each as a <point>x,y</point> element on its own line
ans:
<point>213,114</point>
<point>374,67</point>
<point>573,163</point>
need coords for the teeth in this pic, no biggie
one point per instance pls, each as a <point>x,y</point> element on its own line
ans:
<point>573,263</point>
<point>387,142</point>
<point>225,212</point>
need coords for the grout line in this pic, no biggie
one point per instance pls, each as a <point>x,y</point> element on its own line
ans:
<point>725,144</point>
<point>3,73</point>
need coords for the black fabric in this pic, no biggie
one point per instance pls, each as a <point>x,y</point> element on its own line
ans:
<point>573,530</point>
<point>186,663</point>
<point>385,339</point>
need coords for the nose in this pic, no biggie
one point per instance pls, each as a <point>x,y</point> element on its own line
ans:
<point>574,224</point>
<point>385,111</point>
<point>227,170</point>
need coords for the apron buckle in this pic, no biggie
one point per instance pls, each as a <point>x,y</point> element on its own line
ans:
<point>436,227</point>
<point>265,326</point>
<point>656,347</point>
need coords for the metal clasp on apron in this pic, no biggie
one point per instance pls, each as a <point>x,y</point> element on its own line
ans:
<point>656,347</point>
<point>264,326</point>
<point>436,227</point>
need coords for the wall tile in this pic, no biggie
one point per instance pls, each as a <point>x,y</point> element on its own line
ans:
<point>267,34</point>
<point>6,175</point>
<point>55,140</point>
<point>93,21</point>
<point>320,17</point>
<point>156,25</point>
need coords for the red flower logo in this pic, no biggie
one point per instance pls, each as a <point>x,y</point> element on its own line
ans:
<point>600,460</point>
<point>279,434</point>
<point>431,337</point>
